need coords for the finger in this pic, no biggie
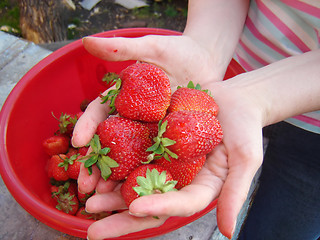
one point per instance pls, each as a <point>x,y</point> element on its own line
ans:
<point>121,224</point>
<point>87,124</point>
<point>105,202</point>
<point>236,187</point>
<point>122,49</point>
<point>185,202</point>
<point>105,186</point>
<point>87,183</point>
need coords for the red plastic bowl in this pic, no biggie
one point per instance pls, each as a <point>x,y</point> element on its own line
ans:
<point>58,84</point>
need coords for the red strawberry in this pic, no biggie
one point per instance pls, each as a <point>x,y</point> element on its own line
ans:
<point>72,151</point>
<point>193,99</point>
<point>183,172</point>
<point>187,135</point>
<point>83,151</point>
<point>83,197</point>
<point>71,165</point>
<point>145,180</point>
<point>143,93</point>
<point>66,123</point>
<point>56,144</point>
<point>123,147</point>
<point>65,198</point>
<point>54,170</point>
<point>74,167</point>
<point>81,213</point>
<point>153,129</point>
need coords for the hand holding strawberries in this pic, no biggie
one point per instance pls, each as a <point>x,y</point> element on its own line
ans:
<point>229,168</point>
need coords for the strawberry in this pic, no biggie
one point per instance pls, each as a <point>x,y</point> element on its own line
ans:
<point>66,123</point>
<point>54,170</point>
<point>83,197</point>
<point>145,180</point>
<point>72,151</point>
<point>153,129</point>
<point>192,98</point>
<point>119,147</point>
<point>182,172</point>
<point>83,106</point>
<point>81,213</point>
<point>65,198</point>
<point>73,168</point>
<point>83,150</point>
<point>57,144</point>
<point>70,163</point>
<point>142,93</point>
<point>186,135</point>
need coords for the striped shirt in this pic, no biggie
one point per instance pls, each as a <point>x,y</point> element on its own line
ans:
<point>277,29</point>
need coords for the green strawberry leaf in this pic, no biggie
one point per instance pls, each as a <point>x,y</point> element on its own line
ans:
<point>167,142</point>
<point>162,128</point>
<point>159,148</point>
<point>112,94</point>
<point>155,146</point>
<point>197,87</point>
<point>99,157</point>
<point>110,77</point>
<point>104,151</point>
<point>91,161</point>
<point>105,171</point>
<point>108,161</point>
<point>154,183</point>
<point>190,85</point>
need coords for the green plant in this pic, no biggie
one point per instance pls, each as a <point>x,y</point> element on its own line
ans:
<point>10,16</point>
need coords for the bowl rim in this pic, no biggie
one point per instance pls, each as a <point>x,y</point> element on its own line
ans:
<point>32,203</point>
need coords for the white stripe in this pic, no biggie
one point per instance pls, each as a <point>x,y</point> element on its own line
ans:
<point>290,22</point>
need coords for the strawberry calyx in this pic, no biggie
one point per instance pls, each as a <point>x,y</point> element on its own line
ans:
<point>112,94</point>
<point>109,78</point>
<point>197,87</point>
<point>68,161</point>
<point>99,157</point>
<point>65,121</point>
<point>159,148</point>
<point>65,200</point>
<point>154,183</point>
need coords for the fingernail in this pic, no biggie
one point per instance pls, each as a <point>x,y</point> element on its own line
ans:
<point>88,238</point>
<point>138,214</point>
<point>84,39</point>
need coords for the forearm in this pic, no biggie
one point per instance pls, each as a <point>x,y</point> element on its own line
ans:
<point>285,88</point>
<point>217,26</point>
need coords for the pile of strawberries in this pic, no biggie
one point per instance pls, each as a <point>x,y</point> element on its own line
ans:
<point>154,141</point>
<point>63,167</point>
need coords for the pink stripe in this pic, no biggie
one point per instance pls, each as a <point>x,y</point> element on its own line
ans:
<point>282,27</point>
<point>244,64</point>
<point>259,36</point>
<point>308,120</point>
<point>303,7</point>
<point>252,54</point>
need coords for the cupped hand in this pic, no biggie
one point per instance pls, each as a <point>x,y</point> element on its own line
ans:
<point>180,57</point>
<point>229,169</point>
